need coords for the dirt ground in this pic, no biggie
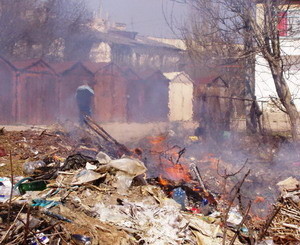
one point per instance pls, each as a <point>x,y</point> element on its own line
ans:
<point>123,132</point>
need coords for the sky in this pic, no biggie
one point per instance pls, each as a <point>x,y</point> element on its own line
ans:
<point>144,16</point>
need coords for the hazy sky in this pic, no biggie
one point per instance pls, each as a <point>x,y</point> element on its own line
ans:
<point>144,16</point>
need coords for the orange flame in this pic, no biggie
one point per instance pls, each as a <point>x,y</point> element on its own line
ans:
<point>178,172</point>
<point>163,181</point>
<point>157,139</point>
<point>168,159</point>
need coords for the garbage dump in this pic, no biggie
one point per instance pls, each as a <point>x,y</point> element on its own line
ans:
<point>85,187</point>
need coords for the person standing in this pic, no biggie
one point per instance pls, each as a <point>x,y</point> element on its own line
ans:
<point>84,98</point>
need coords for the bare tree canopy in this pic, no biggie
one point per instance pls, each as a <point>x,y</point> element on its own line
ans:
<point>242,29</point>
<point>40,23</point>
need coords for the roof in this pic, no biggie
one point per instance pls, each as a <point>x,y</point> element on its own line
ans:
<point>178,77</point>
<point>141,40</point>
<point>119,38</point>
<point>33,65</point>
<point>23,64</point>
<point>62,66</point>
<point>8,63</point>
<point>130,74</point>
<point>172,75</point>
<point>93,66</point>
<point>110,67</point>
<point>158,75</point>
<point>206,80</point>
<point>210,80</point>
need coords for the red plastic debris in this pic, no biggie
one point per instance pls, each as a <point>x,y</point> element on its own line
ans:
<point>2,152</point>
<point>195,210</point>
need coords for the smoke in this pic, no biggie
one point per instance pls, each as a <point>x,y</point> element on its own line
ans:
<point>144,16</point>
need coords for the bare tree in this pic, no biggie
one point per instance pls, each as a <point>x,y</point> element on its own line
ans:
<point>38,25</point>
<point>12,22</point>
<point>252,28</point>
<point>62,20</point>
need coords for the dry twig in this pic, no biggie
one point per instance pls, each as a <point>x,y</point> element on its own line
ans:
<point>12,225</point>
<point>12,185</point>
<point>241,224</point>
<point>230,204</point>
<point>268,223</point>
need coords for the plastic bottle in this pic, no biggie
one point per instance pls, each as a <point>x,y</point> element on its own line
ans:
<point>38,185</point>
<point>81,240</point>
<point>179,195</point>
<point>29,167</point>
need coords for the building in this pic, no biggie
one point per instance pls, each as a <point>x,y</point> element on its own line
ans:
<point>7,92</point>
<point>181,96</point>
<point>265,91</point>
<point>126,48</point>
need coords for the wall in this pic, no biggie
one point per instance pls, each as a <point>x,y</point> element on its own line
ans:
<point>137,56</point>
<point>37,103</point>
<point>274,119</point>
<point>181,99</point>
<point>40,93</point>
<point>264,83</point>
<point>7,93</point>
<point>69,81</point>
<point>100,52</point>
<point>110,95</point>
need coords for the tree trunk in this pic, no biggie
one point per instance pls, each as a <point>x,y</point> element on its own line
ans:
<point>251,108</point>
<point>285,97</point>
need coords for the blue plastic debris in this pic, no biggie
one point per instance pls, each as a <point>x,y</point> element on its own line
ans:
<point>204,202</point>
<point>244,230</point>
<point>44,203</point>
<point>57,216</point>
<point>179,195</point>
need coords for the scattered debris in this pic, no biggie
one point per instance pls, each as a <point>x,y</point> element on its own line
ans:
<point>30,167</point>
<point>288,185</point>
<point>94,190</point>
<point>284,226</point>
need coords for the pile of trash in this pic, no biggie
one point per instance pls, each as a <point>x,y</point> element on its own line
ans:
<point>93,201</point>
<point>96,191</point>
<point>285,221</point>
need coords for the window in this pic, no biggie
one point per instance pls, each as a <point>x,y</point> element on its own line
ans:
<point>289,23</point>
<point>282,24</point>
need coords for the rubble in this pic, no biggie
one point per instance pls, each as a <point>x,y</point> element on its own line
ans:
<point>105,197</point>
<point>285,222</point>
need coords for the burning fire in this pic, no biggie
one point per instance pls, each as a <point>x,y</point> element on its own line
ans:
<point>171,164</point>
<point>163,181</point>
<point>178,172</point>
<point>157,139</point>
